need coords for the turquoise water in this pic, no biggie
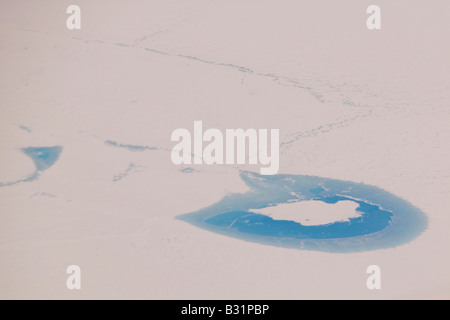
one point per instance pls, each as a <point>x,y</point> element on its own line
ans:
<point>386,221</point>
<point>43,158</point>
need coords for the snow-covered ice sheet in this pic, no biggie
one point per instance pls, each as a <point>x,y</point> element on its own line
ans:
<point>86,117</point>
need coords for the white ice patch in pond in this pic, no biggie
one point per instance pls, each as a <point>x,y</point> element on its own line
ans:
<point>313,212</point>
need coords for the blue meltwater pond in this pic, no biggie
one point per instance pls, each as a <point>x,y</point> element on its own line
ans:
<point>384,220</point>
<point>43,158</point>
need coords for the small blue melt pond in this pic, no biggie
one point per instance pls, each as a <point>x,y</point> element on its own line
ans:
<point>43,157</point>
<point>386,221</point>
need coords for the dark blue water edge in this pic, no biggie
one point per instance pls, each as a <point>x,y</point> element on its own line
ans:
<point>386,220</point>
